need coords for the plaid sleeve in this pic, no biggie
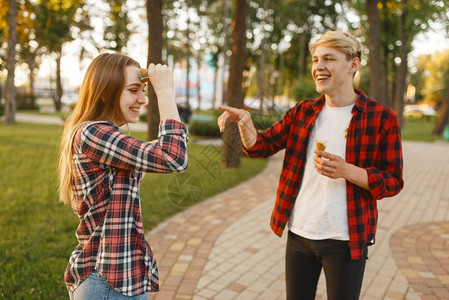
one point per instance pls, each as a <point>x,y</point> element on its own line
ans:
<point>386,180</point>
<point>272,139</point>
<point>103,143</point>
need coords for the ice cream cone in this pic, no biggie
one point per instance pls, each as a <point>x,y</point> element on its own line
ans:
<point>320,145</point>
<point>143,75</point>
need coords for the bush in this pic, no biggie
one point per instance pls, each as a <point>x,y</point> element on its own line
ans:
<point>264,121</point>
<point>204,128</point>
<point>303,88</point>
<point>26,101</point>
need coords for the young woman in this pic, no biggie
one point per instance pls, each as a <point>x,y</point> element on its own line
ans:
<point>100,173</point>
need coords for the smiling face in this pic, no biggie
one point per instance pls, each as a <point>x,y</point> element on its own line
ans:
<point>332,71</point>
<point>132,98</point>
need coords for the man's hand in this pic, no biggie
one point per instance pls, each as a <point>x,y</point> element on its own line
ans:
<point>242,117</point>
<point>233,114</point>
<point>333,166</point>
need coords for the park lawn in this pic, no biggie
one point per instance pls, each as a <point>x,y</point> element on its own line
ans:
<point>37,234</point>
<point>419,130</point>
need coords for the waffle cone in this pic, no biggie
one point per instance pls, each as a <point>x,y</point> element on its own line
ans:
<point>143,75</point>
<point>320,145</point>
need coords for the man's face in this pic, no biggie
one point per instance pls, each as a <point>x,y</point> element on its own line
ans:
<point>331,71</point>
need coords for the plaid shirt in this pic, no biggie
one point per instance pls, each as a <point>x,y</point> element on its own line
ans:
<point>373,143</point>
<point>107,176</point>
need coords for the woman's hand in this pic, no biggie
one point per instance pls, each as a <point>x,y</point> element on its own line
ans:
<point>161,78</point>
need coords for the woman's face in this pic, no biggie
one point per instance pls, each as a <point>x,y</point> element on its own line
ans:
<point>132,97</point>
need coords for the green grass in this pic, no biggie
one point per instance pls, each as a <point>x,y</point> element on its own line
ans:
<point>419,130</point>
<point>40,113</point>
<point>37,234</point>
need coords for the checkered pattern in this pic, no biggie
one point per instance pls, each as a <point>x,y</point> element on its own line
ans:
<point>108,172</point>
<point>373,143</point>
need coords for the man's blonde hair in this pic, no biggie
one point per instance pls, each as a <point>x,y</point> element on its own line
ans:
<point>341,41</point>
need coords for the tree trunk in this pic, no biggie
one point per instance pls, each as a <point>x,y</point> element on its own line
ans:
<point>377,80</point>
<point>231,146</point>
<point>155,27</point>
<point>33,96</point>
<point>261,77</point>
<point>225,49</point>
<point>302,55</point>
<point>402,71</point>
<point>387,65</point>
<point>262,59</point>
<point>280,85</point>
<point>214,88</point>
<point>198,72</point>
<point>443,114</point>
<point>57,97</point>
<point>10,95</point>
<point>188,56</point>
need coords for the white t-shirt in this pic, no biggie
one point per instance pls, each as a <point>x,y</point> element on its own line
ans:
<point>320,210</point>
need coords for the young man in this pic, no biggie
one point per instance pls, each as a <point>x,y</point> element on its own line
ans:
<point>328,198</point>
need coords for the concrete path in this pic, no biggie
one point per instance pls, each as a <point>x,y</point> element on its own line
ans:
<point>223,248</point>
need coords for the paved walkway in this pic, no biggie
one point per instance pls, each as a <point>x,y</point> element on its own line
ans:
<point>223,248</point>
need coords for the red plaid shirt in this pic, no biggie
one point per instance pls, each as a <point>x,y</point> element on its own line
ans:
<point>107,176</point>
<point>373,143</point>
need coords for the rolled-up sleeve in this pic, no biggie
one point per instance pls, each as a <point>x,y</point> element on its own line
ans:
<point>103,143</point>
<point>386,180</point>
<point>273,139</point>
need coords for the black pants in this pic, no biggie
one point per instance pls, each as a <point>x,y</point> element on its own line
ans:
<point>304,260</point>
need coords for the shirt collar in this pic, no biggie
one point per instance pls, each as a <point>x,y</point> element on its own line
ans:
<point>360,103</point>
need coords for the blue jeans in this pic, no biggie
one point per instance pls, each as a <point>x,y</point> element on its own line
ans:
<point>304,260</point>
<point>95,287</point>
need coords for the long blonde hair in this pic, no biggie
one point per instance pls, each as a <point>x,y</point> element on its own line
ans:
<point>98,100</point>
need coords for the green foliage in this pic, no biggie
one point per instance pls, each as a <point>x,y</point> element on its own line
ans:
<point>204,128</point>
<point>55,22</point>
<point>303,88</point>
<point>264,120</point>
<point>37,234</point>
<point>117,34</point>
<point>432,75</point>
<point>26,101</point>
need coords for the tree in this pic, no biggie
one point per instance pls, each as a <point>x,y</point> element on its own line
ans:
<point>443,114</point>
<point>10,103</point>
<point>377,80</point>
<point>400,22</point>
<point>55,21</point>
<point>432,78</point>
<point>155,41</point>
<point>231,146</point>
<point>28,50</point>
<point>402,70</point>
<point>117,34</point>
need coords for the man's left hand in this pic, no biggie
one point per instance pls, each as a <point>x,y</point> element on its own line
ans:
<point>330,165</point>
